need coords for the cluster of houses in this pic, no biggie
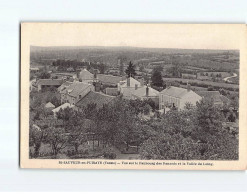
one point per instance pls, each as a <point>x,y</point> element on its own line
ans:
<point>86,88</point>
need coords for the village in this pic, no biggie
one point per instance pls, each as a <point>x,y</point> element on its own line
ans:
<point>118,114</point>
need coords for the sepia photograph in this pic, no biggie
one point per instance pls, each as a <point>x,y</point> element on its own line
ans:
<point>153,92</point>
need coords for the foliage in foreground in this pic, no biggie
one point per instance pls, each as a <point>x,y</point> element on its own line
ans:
<point>195,133</point>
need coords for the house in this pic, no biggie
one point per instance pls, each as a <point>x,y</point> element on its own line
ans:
<point>44,84</point>
<point>127,87</point>
<point>75,92</point>
<point>177,97</point>
<point>111,91</point>
<point>63,106</point>
<point>94,98</point>
<point>85,76</point>
<point>49,106</point>
<point>215,96</point>
<point>146,92</point>
<point>64,86</point>
<point>109,79</point>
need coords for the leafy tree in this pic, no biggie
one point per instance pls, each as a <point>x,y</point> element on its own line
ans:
<point>156,78</point>
<point>36,137</point>
<point>57,138</point>
<point>130,71</point>
<point>208,120</point>
<point>175,70</point>
<point>44,75</point>
<point>169,147</point>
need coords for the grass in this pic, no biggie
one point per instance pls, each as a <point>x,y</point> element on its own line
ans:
<point>210,83</point>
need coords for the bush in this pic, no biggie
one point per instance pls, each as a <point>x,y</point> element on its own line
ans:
<point>109,155</point>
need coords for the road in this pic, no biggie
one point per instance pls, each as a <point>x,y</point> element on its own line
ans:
<point>227,78</point>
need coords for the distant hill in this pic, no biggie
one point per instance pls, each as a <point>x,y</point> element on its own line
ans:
<point>127,48</point>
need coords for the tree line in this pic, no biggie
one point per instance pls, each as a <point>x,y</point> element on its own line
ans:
<point>195,133</point>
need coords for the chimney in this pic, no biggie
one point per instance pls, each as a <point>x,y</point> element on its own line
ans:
<point>136,86</point>
<point>188,87</point>
<point>147,91</point>
<point>128,82</point>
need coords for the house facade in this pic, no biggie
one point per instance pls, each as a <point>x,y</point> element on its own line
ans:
<point>97,98</point>
<point>43,84</point>
<point>75,92</point>
<point>84,76</point>
<point>215,97</point>
<point>177,97</point>
<point>128,86</point>
<point>146,92</point>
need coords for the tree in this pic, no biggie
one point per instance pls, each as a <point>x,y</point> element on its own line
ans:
<point>157,78</point>
<point>208,120</point>
<point>36,137</point>
<point>175,70</point>
<point>169,147</point>
<point>130,71</point>
<point>57,138</point>
<point>44,75</point>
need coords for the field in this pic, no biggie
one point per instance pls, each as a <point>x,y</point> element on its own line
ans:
<point>210,83</point>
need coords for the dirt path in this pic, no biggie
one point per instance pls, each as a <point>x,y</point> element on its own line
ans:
<point>227,78</point>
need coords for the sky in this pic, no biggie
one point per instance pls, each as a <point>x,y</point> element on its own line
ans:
<point>184,36</point>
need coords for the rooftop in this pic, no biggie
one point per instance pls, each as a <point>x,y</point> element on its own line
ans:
<point>94,98</point>
<point>76,88</point>
<point>111,91</point>
<point>86,75</point>
<point>132,82</point>
<point>141,92</point>
<point>55,82</point>
<point>64,85</point>
<point>215,95</point>
<point>110,79</point>
<point>174,91</point>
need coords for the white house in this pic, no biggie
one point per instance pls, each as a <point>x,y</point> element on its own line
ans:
<point>128,86</point>
<point>145,92</point>
<point>84,76</point>
<point>75,92</point>
<point>177,97</point>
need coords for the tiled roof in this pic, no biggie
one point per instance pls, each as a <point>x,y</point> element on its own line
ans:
<point>50,82</point>
<point>110,79</point>
<point>86,75</point>
<point>215,95</point>
<point>132,82</point>
<point>111,91</point>
<point>76,88</point>
<point>174,91</point>
<point>141,92</point>
<point>64,85</point>
<point>94,98</point>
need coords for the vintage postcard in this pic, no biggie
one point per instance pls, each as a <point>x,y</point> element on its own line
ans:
<point>133,96</point>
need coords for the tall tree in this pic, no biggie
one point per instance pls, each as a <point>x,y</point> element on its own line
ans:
<point>157,77</point>
<point>208,121</point>
<point>130,71</point>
